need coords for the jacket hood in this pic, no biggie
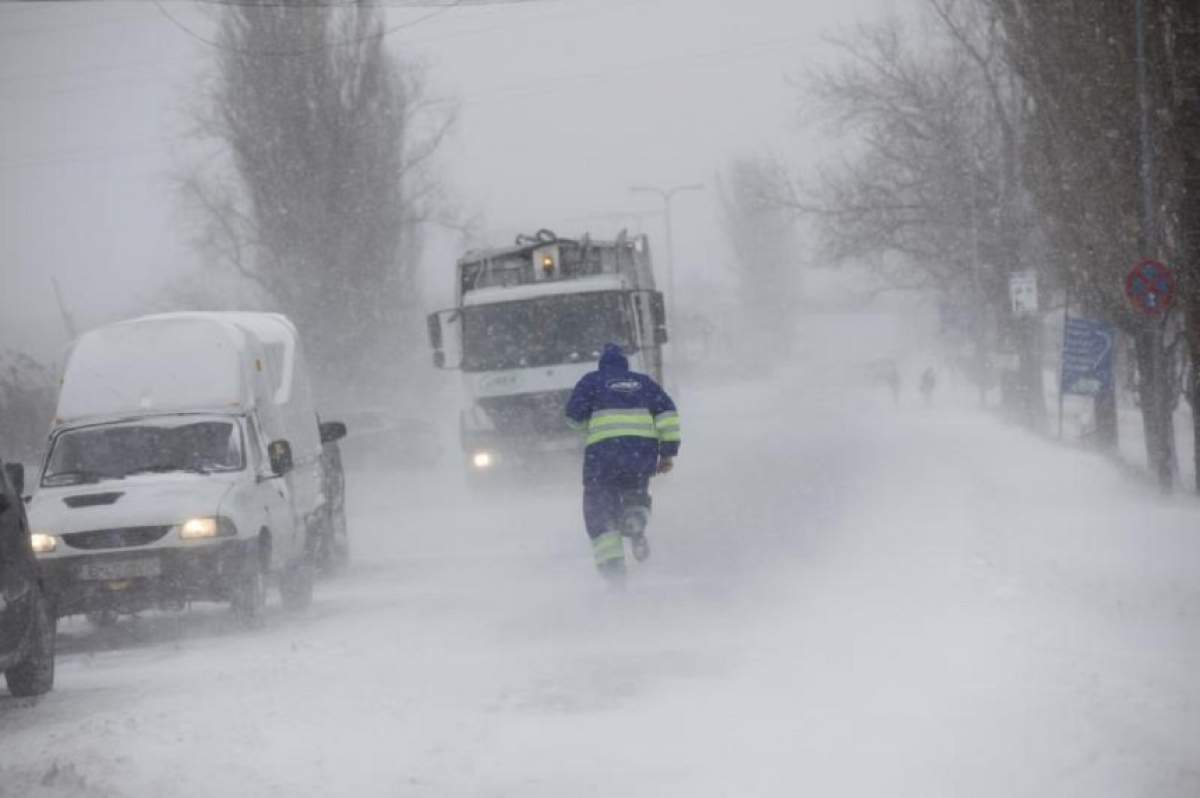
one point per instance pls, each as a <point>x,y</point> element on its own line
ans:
<point>613,358</point>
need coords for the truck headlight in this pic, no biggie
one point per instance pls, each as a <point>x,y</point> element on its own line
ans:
<point>43,542</point>
<point>204,528</point>
<point>483,460</point>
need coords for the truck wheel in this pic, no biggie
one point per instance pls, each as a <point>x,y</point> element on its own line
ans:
<point>250,593</point>
<point>35,675</point>
<point>296,586</point>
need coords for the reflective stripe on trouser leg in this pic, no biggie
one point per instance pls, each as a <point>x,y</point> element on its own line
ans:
<point>608,547</point>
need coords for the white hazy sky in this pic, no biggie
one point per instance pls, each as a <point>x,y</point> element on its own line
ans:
<point>563,105</point>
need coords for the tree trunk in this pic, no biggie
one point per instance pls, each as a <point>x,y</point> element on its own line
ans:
<point>1154,391</point>
<point>1107,437</point>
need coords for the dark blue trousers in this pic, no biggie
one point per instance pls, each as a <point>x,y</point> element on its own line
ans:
<point>605,502</point>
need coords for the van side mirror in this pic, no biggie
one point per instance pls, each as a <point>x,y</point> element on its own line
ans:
<point>435,331</point>
<point>332,431</point>
<point>16,477</point>
<point>437,323</point>
<point>280,453</point>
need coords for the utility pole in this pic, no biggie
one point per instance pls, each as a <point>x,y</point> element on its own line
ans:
<point>1145,153</point>
<point>667,194</point>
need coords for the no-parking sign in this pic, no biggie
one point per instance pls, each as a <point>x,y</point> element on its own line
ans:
<point>1150,286</point>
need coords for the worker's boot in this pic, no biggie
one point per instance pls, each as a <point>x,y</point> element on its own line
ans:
<point>633,526</point>
<point>609,552</point>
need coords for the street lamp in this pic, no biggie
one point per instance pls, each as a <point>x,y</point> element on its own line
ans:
<point>666,194</point>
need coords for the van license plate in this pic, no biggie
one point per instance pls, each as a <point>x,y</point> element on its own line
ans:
<point>120,569</point>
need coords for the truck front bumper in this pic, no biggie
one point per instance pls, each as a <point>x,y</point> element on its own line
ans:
<point>493,453</point>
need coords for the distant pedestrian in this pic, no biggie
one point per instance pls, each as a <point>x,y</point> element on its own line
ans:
<point>928,384</point>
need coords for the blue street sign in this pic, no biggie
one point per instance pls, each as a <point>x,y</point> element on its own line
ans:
<point>1087,357</point>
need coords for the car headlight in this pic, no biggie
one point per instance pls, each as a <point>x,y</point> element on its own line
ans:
<point>205,528</point>
<point>43,542</point>
<point>482,460</point>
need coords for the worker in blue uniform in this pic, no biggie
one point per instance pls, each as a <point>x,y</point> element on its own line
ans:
<point>632,433</point>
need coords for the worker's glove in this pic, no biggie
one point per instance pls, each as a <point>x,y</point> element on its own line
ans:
<point>665,464</point>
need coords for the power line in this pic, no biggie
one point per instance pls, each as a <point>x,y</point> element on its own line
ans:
<point>534,88</point>
<point>298,4</point>
<point>439,10</point>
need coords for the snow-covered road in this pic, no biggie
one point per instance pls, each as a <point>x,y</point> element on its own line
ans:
<point>845,598</point>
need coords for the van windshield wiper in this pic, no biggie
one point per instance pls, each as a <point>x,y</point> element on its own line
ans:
<point>160,468</point>
<point>78,477</point>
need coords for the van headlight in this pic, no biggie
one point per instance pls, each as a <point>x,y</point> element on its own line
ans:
<point>43,542</point>
<point>205,528</point>
<point>483,460</point>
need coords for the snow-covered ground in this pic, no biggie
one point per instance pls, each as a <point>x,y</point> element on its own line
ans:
<point>845,598</point>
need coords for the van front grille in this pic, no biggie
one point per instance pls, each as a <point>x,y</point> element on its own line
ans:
<point>115,538</point>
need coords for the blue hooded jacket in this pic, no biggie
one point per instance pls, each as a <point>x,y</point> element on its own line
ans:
<point>630,421</point>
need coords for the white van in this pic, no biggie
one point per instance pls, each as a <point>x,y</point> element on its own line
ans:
<point>184,464</point>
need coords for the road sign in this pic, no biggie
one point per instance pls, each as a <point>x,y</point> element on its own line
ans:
<point>1150,286</point>
<point>1087,356</point>
<point>1022,290</point>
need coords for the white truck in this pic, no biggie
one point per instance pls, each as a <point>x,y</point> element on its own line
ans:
<point>530,320</point>
<point>184,464</point>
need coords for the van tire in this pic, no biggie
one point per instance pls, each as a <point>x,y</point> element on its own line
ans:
<point>296,586</point>
<point>250,592</point>
<point>35,675</point>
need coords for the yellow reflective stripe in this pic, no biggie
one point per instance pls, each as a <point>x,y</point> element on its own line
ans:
<point>608,547</point>
<point>573,424</point>
<point>623,419</point>
<point>667,425</point>
<point>595,436</point>
<point>620,423</point>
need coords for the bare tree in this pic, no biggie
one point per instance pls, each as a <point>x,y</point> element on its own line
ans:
<point>331,141</point>
<point>1182,34</point>
<point>27,394</point>
<point>1077,62</point>
<point>932,194</point>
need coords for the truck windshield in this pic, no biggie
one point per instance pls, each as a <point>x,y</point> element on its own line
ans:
<point>567,328</point>
<point>114,451</point>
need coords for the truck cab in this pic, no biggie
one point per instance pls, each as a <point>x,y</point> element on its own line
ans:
<point>529,321</point>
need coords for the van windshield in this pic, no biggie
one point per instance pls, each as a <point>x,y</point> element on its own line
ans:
<point>114,451</point>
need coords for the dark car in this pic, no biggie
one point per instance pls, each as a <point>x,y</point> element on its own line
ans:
<point>27,616</point>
